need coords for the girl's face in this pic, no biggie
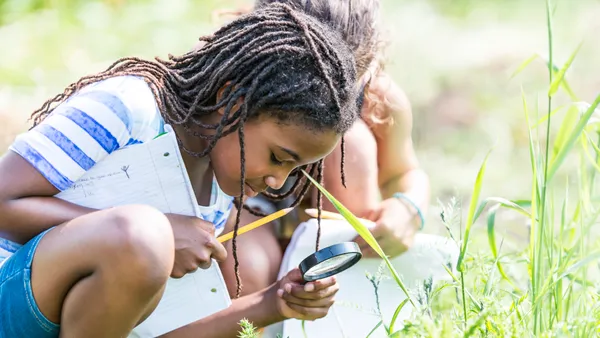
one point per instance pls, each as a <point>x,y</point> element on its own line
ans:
<point>272,150</point>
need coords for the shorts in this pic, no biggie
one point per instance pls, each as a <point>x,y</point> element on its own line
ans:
<point>19,314</point>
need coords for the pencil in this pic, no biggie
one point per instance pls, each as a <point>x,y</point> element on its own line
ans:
<point>324,214</point>
<point>330,215</point>
<point>256,224</point>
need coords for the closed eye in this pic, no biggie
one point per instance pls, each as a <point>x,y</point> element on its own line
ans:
<point>275,161</point>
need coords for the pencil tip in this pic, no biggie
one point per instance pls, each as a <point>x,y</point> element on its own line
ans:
<point>287,210</point>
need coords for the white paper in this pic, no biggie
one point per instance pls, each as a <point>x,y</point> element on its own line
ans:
<point>153,173</point>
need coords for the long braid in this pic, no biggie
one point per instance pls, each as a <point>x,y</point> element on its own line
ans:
<point>343,146</point>
<point>279,61</point>
<point>319,204</point>
<point>236,267</point>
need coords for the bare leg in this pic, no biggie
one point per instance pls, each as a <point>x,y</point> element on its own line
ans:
<point>259,256</point>
<point>101,274</point>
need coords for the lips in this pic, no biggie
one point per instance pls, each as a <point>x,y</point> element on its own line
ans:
<point>250,191</point>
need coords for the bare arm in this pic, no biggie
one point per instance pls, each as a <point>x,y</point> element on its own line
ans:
<point>26,203</point>
<point>224,324</point>
<point>398,165</point>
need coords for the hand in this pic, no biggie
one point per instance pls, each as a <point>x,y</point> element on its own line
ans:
<point>195,244</point>
<point>305,300</point>
<point>395,228</point>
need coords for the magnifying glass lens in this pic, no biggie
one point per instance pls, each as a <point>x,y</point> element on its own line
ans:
<point>330,261</point>
<point>330,265</point>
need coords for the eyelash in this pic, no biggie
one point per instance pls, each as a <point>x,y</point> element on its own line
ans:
<point>275,161</point>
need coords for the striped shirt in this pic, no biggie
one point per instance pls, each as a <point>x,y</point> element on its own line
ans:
<point>102,117</point>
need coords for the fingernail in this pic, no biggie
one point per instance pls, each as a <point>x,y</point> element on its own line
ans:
<point>288,288</point>
<point>309,287</point>
<point>279,292</point>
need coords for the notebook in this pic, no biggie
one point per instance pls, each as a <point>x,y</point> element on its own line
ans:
<point>154,174</point>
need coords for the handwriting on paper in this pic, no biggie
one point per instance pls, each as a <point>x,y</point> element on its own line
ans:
<point>86,184</point>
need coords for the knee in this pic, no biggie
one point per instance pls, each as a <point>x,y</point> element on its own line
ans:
<point>139,246</point>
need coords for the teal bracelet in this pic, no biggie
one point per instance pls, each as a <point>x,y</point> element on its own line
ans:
<point>401,196</point>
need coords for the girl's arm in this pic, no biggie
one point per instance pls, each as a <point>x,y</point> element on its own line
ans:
<point>254,307</point>
<point>79,133</point>
<point>290,297</point>
<point>399,169</point>
<point>26,203</point>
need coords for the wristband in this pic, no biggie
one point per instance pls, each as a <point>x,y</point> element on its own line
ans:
<point>402,196</point>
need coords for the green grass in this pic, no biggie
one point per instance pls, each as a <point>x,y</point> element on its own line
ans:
<point>538,111</point>
<point>554,293</point>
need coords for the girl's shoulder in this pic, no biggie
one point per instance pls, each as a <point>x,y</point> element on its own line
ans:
<point>136,97</point>
<point>91,124</point>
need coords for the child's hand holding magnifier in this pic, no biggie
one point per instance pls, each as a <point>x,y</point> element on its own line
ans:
<point>305,300</point>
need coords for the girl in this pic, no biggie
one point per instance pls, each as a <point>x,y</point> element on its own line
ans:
<point>271,92</point>
<point>387,185</point>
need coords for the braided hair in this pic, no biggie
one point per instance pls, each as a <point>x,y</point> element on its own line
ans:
<point>357,22</point>
<point>280,61</point>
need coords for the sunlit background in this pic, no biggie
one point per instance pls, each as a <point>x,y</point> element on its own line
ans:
<point>454,59</point>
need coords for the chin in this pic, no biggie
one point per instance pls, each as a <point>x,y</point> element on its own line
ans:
<point>229,187</point>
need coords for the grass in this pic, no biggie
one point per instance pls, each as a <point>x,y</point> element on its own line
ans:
<point>545,159</point>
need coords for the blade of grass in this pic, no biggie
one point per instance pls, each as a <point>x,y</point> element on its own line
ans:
<point>561,73</point>
<point>471,297</point>
<point>545,117</point>
<point>396,313</point>
<point>575,133</point>
<point>374,329</point>
<point>364,232</point>
<point>568,123</point>
<point>555,70</point>
<point>502,202</point>
<point>523,65</point>
<point>491,220</point>
<point>472,209</point>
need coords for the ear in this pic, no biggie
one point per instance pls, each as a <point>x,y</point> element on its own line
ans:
<point>237,105</point>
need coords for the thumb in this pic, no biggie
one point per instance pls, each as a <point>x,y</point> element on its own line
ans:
<point>295,276</point>
<point>373,215</point>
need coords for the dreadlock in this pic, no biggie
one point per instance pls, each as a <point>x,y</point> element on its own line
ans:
<point>282,62</point>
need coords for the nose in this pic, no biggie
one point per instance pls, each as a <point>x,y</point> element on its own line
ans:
<point>276,182</point>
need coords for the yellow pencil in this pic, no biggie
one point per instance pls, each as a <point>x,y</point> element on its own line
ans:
<point>324,214</point>
<point>255,224</point>
<point>330,215</point>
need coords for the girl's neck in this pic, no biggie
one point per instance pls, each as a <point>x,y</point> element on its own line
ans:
<point>198,169</point>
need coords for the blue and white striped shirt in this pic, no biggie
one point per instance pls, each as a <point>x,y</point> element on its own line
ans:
<point>90,125</point>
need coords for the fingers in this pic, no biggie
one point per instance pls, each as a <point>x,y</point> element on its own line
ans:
<point>312,291</point>
<point>179,271</point>
<point>217,250</point>
<point>365,248</point>
<point>295,276</point>
<point>310,304</point>
<point>373,215</point>
<point>206,226</point>
<point>306,313</point>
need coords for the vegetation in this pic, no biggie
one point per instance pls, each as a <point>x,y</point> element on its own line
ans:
<point>541,282</point>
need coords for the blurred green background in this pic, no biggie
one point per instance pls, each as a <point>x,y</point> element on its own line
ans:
<point>454,59</point>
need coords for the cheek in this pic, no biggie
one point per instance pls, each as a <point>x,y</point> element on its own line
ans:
<point>225,158</point>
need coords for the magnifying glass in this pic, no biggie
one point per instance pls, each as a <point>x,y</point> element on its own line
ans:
<point>330,261</point>
<point>323,263</point>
